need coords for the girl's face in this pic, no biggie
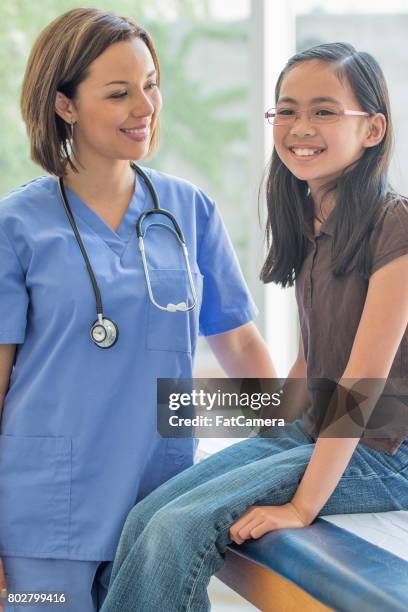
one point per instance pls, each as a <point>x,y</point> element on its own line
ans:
<point>117,105</point>
<point>330,147</point>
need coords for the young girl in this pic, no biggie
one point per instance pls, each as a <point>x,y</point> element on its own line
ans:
<point>340,232</point>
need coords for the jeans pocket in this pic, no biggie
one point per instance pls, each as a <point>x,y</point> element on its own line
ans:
<point>35,480</point>
<point>173,331</point>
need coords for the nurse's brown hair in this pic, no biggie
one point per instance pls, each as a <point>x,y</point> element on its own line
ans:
<point>59,61</point>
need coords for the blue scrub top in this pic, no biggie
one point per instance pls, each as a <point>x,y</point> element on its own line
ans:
<point>78,444</point>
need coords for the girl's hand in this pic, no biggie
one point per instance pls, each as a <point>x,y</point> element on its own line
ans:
<point>258,520</point>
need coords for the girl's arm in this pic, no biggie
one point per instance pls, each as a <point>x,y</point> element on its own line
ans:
<point>382,325</point>
<point>242,353</point>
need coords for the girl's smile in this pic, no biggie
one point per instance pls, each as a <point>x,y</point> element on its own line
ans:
<point>306,153</point>
<point>318,153</point>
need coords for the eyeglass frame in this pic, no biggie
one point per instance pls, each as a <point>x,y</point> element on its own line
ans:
<point>343,112</point>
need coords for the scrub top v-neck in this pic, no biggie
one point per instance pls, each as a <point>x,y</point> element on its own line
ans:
<point>119,239</point>
<point>78,443</point>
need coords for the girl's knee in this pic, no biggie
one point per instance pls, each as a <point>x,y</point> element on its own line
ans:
<point>135,522</point>
<point>175,524</point>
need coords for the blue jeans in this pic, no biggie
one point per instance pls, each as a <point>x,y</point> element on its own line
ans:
<point>175,538</point>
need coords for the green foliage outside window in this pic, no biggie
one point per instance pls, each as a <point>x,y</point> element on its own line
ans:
<point>191,119</point>
<point>204,125</point>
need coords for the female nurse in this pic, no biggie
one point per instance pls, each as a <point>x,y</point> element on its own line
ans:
<point>78,444</point>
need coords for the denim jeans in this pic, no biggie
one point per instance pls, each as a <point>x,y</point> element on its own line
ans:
<point>175,538</point>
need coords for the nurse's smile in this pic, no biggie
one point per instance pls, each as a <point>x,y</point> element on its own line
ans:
<point>138,134</point>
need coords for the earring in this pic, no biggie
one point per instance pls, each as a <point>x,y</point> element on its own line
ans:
<point>72,131</point>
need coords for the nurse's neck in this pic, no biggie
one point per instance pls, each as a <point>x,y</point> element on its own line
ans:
<point>102,184</point>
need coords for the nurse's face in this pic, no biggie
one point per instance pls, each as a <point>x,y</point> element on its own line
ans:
<point>117,105</point>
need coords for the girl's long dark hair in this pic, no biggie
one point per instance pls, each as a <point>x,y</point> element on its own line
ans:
<point>360,191</point>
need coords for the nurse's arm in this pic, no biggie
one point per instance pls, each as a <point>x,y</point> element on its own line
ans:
<point>242,353</point>
<point>7,352</point>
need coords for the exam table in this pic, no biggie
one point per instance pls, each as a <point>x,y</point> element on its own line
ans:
<point>350,563</point>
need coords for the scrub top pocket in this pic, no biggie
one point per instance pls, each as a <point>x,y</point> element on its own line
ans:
<point>173,331</point>
<point>35,480</point>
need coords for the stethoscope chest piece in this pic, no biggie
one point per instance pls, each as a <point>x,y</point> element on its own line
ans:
<point>104,332</point>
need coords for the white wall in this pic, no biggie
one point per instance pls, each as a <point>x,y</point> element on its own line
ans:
<point>273,42</point>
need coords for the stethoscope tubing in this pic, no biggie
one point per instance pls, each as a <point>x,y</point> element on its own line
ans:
<point>182,306</point>
<point>98,297</point>
<point>104,331</point>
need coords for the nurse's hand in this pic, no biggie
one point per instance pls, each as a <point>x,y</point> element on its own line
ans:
<point>242,353</point>
<point>258,520</point>
<point>3,584</point>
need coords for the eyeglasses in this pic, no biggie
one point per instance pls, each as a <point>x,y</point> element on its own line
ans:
<point>317,115</point>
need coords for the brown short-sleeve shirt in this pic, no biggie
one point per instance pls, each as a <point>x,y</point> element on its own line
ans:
<point>330,307</point>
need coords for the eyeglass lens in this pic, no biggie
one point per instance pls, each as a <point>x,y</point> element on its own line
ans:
<point>316,114</point>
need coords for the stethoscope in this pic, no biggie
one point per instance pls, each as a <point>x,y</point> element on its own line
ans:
<point>104,331</point>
